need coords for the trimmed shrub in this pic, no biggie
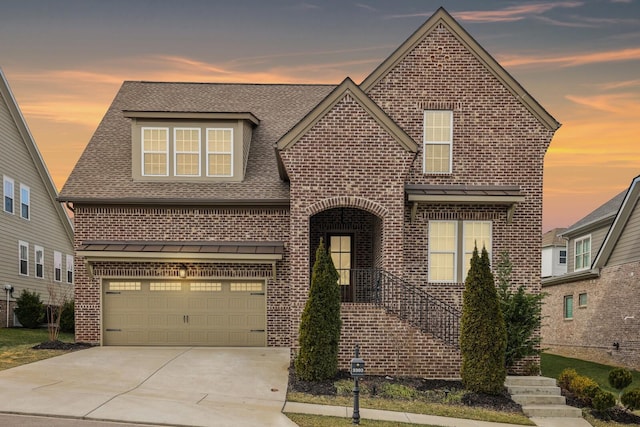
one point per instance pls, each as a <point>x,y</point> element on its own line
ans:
<point>29,309</point>
<point>565,378</point>
<point>583,386</point>
<point>67,317</point>
<point>620,378</point>
<point>483,336</point>
<point>320,324</point>
<point>603,401</point>
<point>631,399</point>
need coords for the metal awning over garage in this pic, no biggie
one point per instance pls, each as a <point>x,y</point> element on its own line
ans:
<point>247,252</point>
<point>508,196</point>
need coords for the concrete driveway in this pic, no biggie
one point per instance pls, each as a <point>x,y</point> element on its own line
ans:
<point>166,385</point>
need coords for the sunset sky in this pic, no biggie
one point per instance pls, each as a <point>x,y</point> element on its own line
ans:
<point>66,59</point>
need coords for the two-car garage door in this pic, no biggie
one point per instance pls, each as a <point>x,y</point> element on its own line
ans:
<point>194,313</point>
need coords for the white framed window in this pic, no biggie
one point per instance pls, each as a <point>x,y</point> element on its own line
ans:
<point>69,266</point>
<point>155,151</point>
<point>562,257</point>
<point>23,257</point>
<point>39,261</point>
<point>341,251</point>
<point>582,299</point>
<point>186,151</point>
<point>568,307</point>
<point>25,201</point>
<point>57,266</point>
<point>451,245</point>
<point>219,152</point>
<point>443,239</point>
<point>8,194</point>
<point>438,141</point>
<point>582,253</point>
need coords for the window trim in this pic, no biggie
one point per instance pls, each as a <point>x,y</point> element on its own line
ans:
<point>575,253</point>
<point>37,249</point>
<point>176,152</point>
<point>69,268</point>
<point>425,143</point>
<point>565,315</point>
<point>57,266</point>
<point>143,152</point>
<point>24,187</point>
<point>23,244</point>
<point>580,304</point>
<point>560,257</point>
<point>207,153</point>
<point>460,273</point>
<point>6,180</point>
<point>455,252</point>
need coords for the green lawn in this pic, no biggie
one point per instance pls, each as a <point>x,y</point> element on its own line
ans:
<point>551,366</point>
<point>321,421</point>
<point>16,343</point>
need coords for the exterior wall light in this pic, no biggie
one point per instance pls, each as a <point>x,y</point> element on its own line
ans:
<point>182,272</point>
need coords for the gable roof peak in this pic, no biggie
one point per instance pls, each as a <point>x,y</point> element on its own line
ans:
<point>441,16</point>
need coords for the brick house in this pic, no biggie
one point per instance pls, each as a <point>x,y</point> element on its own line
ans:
<point>199,207</point>
<point>592,312</point>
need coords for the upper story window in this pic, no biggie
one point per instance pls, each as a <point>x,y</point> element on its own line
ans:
<point>438,141</point>
<point>57,266</point>
<point>23,256</point>
<point>562,257</point>
<point>25,201</point>
<point>219,152</point>
<point>186,147</point>
<point>582,253</point>
<point>69,268</point>
<point>155,151</point>
<point>39,257</point>
<point>8,194</point>
<point>451,245</point>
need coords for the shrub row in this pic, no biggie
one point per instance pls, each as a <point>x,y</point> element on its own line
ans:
<point>590,392</point>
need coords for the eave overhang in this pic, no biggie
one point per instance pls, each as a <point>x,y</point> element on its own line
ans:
<point>508,196</point>
<point>141,201</point>
<point>192,115</point>
<point>571,277</point>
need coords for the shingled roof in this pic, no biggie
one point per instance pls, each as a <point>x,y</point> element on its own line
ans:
<point>103,173</point>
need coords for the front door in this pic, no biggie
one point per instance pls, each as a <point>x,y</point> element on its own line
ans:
<point>341,251</point>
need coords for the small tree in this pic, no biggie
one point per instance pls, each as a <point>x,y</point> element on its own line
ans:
<point>58,296</point>
<point>29,309</point>
<point>482,330</point>
<point>522,313</point>
<point>320,325</point>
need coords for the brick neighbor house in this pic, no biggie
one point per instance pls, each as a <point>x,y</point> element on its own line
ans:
<point>198,207</point>
<point>593,311</point>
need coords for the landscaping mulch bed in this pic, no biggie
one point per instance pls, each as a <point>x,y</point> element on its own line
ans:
<point>500,402</point>
<point>617,414</point>
<point>59,345</point>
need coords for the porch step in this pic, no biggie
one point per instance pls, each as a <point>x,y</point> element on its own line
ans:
<point>540,397</point>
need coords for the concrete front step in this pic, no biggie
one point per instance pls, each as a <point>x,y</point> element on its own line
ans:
<point>541,399</point>
<point>529,381</point>
<point>558,411</point>
<point>535,390</point>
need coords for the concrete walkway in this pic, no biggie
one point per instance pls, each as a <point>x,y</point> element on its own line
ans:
<point>405,417</point>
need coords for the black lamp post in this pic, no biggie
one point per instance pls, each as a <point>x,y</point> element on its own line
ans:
<point>357,372</point>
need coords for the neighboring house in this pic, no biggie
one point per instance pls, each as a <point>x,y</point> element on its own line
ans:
<point>199,206</point>
<point>36,248</point>
<point>554,253</point>
<point>593,311</point>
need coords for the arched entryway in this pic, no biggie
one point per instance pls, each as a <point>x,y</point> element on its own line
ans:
<point>354,239</point>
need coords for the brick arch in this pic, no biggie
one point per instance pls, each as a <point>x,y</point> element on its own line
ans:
<point>348,202</point>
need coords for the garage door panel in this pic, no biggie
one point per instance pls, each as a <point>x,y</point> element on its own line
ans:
<point>195,313</point>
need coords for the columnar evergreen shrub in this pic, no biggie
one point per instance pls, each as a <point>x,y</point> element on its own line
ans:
<point>67,318</point>
<point>522,313</point>
<point>482,330</point>
<point>320,325</point>
<point>29,309</point>
<point>631,399</point>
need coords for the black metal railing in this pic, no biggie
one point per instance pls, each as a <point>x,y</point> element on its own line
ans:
<point>407,302</point>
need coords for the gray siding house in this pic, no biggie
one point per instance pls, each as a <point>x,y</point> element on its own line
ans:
<point>36,249</point>
<point>593,311</point>
<point>554,253</point>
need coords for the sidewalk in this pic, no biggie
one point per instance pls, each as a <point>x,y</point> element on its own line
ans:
<point>405,417</point>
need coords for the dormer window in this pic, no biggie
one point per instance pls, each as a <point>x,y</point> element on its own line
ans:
<point>201,147</point>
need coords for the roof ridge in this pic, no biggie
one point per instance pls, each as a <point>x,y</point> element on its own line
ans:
<point>230,83</point>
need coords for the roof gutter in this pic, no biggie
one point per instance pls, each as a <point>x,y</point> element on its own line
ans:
<point>175,202</point>
<point>594,273</point>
